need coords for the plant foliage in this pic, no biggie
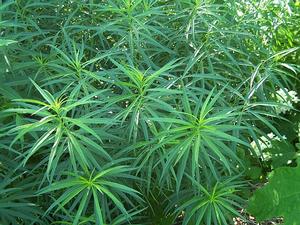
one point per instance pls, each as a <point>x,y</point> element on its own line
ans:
<point>279,198</point>
<point>143,111</point>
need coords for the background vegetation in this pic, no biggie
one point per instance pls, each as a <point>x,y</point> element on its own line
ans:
<point>148,111</point>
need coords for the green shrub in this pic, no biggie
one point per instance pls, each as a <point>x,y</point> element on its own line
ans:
<point>139,111</point>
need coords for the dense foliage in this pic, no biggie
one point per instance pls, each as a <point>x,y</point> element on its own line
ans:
<point>147,111</point>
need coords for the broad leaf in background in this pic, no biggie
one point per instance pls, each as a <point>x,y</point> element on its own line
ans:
<point>282,153</point>
<point>279,198</point>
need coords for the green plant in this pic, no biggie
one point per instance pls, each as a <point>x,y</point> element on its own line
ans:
<point>140,111</point>
<point>278,198</point>
<point>100,188</point>
<point>16,202</point>
<point>216,205</point>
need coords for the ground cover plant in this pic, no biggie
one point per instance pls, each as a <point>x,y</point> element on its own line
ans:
<point>156,112</point>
